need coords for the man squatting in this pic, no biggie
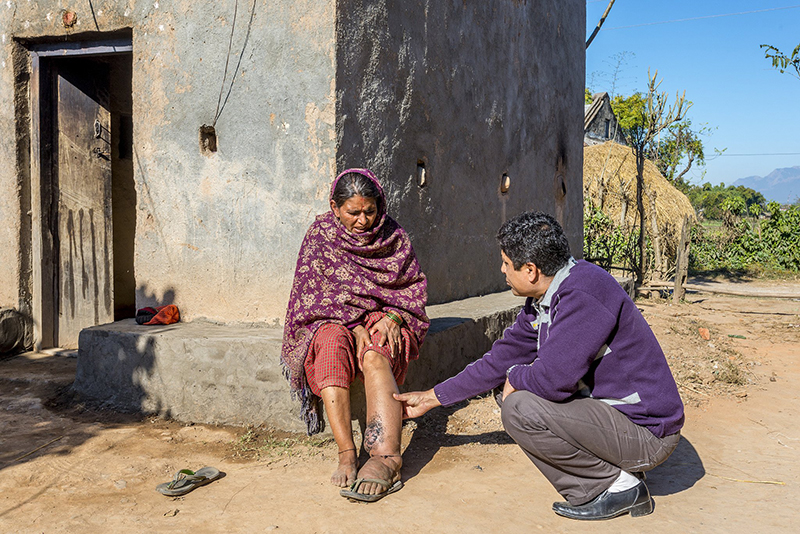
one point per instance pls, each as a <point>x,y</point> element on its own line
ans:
<point>588,394</point>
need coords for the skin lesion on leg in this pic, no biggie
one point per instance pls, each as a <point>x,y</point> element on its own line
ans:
<point>374,434</point>
<point>384,425</point>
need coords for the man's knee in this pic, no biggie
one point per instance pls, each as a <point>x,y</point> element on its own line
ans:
<point>519,413</point>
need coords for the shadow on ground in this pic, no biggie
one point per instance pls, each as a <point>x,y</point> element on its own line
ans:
<point>680,472</point>
<point>431,435</point>
<point>43,415</point>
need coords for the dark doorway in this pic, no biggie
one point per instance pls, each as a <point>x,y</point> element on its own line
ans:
<point>87,191</point>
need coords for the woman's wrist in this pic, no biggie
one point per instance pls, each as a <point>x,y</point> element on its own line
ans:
<point>394,317</point>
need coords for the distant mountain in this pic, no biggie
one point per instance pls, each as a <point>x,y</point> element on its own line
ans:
<point>781,185</point>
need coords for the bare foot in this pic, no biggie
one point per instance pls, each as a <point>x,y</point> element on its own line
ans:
<point>345,473</point>
<point>379,468</point>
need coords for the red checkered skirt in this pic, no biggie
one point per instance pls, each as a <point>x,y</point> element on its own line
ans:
<point>332,359</point>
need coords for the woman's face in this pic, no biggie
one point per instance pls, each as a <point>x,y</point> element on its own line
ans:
<point>357,214</point>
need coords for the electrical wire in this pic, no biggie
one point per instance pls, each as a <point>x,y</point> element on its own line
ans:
<point>239,63</point>
<point>94,16</point>
<point>227,60</point>
<point>221,103</point>
<point>772,154</point>
<point>702,18</point>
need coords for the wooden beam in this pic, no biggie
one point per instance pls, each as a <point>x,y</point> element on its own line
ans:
<point>79,48</point>
<point>682,263</point>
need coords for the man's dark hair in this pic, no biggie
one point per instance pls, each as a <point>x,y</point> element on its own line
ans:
<point>352,184</point>
<point>535,237</point>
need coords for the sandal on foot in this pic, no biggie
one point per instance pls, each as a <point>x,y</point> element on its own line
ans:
<point>353,494</point>
<point>186,480</point>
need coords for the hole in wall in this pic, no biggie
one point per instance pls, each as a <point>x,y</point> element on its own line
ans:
<point>208,140</point>
<point>422,174</point>
<point>69,18</point>
<point>505,183</point>
<point>561,186</point>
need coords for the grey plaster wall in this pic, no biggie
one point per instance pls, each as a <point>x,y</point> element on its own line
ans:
<point>9,186</point>
<point>473,90</point>
<point>218,235</point>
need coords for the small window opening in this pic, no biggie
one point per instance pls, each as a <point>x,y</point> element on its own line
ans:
<point>422,175</point>
<point>505,183</point>
<point>561,186</point>
<point>208,140</point>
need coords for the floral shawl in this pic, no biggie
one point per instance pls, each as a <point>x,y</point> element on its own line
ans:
<point>340,277</point>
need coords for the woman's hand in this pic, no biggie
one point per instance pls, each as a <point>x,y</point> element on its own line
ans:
<point>389,331</point>
<point>363,339</point>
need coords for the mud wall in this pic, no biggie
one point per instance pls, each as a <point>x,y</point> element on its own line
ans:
<point>473,90</point>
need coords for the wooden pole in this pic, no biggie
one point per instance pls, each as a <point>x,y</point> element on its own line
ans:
<point>682,263</point>
<point>600,24</point>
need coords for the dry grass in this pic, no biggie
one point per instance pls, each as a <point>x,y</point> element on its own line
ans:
<point>609,171</point>
<point>259,443</point>
<point>702,369</point>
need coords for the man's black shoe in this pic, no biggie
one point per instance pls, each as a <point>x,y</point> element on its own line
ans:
<point>607,505</point>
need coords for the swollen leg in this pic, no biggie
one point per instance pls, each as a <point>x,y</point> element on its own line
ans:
<point>337,406</point>
<point>384,424</point>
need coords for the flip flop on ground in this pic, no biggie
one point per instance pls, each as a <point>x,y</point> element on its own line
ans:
<point>353,494</point>
<point>186,480</point>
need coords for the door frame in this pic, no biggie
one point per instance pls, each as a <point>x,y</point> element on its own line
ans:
<point>44,271</point>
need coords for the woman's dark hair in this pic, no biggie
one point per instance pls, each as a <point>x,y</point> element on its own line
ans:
<point>352,184</point>
<point>535,237</point>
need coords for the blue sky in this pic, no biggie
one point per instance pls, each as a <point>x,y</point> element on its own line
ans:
<point>716,59</point>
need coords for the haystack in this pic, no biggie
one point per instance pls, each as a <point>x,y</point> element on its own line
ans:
<point>609,171</point>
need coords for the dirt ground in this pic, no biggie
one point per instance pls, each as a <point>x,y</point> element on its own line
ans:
<point>69,467</point>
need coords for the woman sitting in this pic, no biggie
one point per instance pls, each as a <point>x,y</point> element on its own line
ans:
<point>357,307</point>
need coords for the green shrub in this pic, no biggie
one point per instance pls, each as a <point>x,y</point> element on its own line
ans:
<point>606,244</point>
<point>740,246</point>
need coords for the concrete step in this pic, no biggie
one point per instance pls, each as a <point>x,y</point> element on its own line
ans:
<point>231,374</point>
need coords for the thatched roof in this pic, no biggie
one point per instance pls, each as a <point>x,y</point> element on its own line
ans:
<point>615,165</point>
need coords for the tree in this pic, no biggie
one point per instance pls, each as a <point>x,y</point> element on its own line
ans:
<point>676,150</point>
<point>642,117</point>
<point>681,147</point>
<point>712,200</point>
<point>781,61</point>
<point>608,79</point>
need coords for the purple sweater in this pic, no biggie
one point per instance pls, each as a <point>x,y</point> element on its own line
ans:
<point>584,337</point>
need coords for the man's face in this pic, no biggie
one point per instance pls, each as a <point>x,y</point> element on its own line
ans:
<point>518,280</point>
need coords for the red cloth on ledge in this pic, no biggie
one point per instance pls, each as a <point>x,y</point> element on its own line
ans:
<point>166,315</point>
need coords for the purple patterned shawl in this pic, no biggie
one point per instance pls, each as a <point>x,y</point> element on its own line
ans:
<point>340,278</point>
